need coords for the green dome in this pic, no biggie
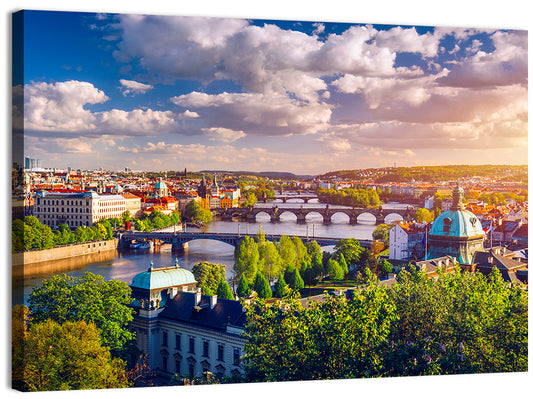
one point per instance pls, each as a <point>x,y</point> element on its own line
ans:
<point>165,277</point>
<point>160,185</point>
<point>457,223</point>
<point>456,233</point>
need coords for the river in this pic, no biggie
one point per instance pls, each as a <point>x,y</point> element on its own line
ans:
<point>123,265</point>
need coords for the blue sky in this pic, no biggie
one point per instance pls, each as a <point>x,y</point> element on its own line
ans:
<point>163,92</point>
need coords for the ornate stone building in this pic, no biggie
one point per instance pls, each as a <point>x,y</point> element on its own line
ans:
<point>183,331</point>
<point>457,232</point>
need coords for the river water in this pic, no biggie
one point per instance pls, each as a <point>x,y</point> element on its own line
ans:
<point>123,265</point>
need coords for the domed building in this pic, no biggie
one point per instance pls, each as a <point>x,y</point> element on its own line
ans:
<point>457,232</point>
<point>154,287</point>
<point>160,189</point>
<point>182,331</point>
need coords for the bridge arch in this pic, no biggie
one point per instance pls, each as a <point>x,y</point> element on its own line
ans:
<point>340,217</point>
<point>366,217</point>
<point>393,217</point>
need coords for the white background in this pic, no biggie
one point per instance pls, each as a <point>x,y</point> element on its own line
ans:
<point>513,14</point>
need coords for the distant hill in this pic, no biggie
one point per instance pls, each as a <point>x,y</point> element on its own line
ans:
<point>433,173</point>
<point>272,175</point>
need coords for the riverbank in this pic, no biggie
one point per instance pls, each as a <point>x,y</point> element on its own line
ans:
<point>32,262</point>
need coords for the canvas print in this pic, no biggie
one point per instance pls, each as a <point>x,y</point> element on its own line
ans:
<point>201,200</point>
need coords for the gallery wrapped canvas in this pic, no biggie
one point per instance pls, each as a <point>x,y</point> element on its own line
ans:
<point>207,200</point>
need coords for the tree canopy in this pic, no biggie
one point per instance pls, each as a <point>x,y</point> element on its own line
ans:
<point>63,298</point>
<point>209,275</point>
<point>69,356</point>
<point>459,323</point>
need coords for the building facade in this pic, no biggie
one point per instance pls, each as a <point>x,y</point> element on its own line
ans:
<point>407,241</point>
<point>76,208</point>
<point>184,332</point>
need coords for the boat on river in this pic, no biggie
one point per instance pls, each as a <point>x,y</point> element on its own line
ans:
<point>141,245</point>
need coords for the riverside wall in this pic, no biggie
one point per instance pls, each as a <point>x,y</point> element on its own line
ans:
<point>34,262</point>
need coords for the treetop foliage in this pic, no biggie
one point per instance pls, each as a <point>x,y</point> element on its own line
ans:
<point>459,323</point>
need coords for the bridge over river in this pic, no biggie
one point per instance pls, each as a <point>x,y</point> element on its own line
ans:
<point>249,214</point>
<point>179,240</point>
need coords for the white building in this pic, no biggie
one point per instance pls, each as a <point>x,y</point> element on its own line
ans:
<point>407,241</point>
<point>76,209</point>
<point>184,332</point>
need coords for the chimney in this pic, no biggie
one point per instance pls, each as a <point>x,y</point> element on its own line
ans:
<point>212,301</point>
<point>197,296</point>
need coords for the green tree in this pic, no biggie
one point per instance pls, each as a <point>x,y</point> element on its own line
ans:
<point>343,265</point>
<point>381,232</point>
<point>301,252</point>
<point>270,262</point>
<point>243,289</point>
<point>315,255</point>
<point>334,270</point>
<point>423,215</point>
<point>195,213</point>
<point>69,356</point>
<point>298,281</point>
<point>262,287</point>
<point>280,287</point>
<point>224,291</point>
<point>17,235</point>
<point>368,260</point>
<point>287,251</point>
<point>482,320</point>
<point>335,338</point>
<point>209,275</point>
<point>89,298</point>
<point>308,274</point>
<point>350,249</point>
<point>246,258</point>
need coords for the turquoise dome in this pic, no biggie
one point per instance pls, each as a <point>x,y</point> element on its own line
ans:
<point>165,277</point>
<point>160,185</point>
<point>457,223</point>
<point>456,233</point>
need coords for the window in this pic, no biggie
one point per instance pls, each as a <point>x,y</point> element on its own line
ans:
<point>191,370</point>
<point>236,357</point>
<point>447,224</point>
<point>191,345</point>
<point>165,339</point>
<point>164,361</point>
<point>206,349</point>
<point>178,366</point>
<point>178,341</point>
<point>220,352</point>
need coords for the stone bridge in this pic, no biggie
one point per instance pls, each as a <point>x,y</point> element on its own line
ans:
<point>250,214</point>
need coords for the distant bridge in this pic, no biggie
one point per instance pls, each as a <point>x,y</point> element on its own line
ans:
<point>180,239</point>
<point>250,214</point>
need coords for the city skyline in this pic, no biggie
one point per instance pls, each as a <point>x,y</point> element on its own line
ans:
<point>168,93</point>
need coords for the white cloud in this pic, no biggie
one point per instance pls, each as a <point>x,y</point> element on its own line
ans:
<point>132,87</point>
<point>258,113</point>
<point>188,115</point>
<point>222,134</point>
<point>135,122</point>
<point>60,106</point>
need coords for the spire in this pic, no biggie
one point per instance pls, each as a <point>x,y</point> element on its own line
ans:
<point>457,197</point>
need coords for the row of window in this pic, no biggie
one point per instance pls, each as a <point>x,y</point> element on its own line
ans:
<point>219,370</point>
<point>64,210</point>
<point>43,201</point>
<point>205,348</point>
